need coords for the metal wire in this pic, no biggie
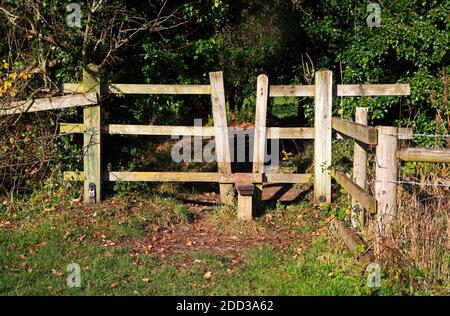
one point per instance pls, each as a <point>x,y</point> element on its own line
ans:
<point>436,184</point>
<point>418,135</point>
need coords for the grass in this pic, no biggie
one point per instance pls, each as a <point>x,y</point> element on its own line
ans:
<point>36,250</point>
<point>116,271</point>
<point>284,107</point>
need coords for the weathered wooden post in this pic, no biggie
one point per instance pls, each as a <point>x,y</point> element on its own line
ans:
<point>359,170</point>
<point>221,135</point>
<point>92,138</point>
<point>386,173</point>
<point>322,135</point>
<point>245,200</point>
<point>259,141</point>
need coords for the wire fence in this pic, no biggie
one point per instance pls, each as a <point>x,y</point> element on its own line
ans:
<point>418,135</point>
<point>426,183</point>
<point>81,153</point>
<point>34,138</point>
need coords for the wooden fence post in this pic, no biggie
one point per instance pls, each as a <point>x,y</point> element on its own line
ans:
<point>259,141</point>
<point>245,200</point>
<point>221,135</point>
<point>322,135</point>
<point>386,178</point>
<point>92,138</point>
<point>359,170</point>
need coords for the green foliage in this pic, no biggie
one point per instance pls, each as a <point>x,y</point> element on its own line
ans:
<point>411,46</point>
<point>287,40</point>
<point>334,210</point>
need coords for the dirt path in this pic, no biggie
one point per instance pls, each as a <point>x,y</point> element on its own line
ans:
<point>223,235</point>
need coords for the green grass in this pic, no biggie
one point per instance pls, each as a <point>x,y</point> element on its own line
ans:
<point>36,252</point>
<point>266,272</point>
<point>284,107</point>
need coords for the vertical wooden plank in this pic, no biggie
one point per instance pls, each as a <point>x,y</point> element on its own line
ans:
<point>259,141</point>
<point>386,178</point>
<point>92,137</point>
<point>259,147</point>
<point>221,134</point>
<point>245,201</point>
<point>322,135</point>
<point>359,170</point>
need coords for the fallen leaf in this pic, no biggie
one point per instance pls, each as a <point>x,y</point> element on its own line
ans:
<point>57,273</point>
<point>155,227</point>
<point>79,239</point>
<point>207,275</point>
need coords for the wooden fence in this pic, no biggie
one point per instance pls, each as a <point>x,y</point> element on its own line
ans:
<point>93,175</point>
<point>386,139</point>
<point>249,185</point>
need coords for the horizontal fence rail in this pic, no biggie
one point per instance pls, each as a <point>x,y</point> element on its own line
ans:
<point>53,103</point>
<point>342,90</point>
<point>122,88</point>
<point>145,176</point>
<point>362,90</point>
<point>207,131</point>
<point>292,91</point>
<point>365,134</point>
<point>437,155</point>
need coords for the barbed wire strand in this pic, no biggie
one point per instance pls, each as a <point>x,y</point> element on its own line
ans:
<point>30,139</point>
<point>418,135</point>
<point>84,148</point>
<point>437,184</point>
